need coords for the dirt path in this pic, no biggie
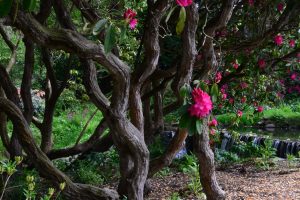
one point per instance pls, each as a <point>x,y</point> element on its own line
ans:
<point>240,183</point>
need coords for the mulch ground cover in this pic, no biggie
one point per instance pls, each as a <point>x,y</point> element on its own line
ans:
<point>241,182</point>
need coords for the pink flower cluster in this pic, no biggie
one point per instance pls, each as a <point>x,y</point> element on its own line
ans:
<point>213,122</point>
<point>224,96</point>
<point>239,113</point>
<point>278,39</point>
<point>294,89</point>
<point>223,92</point>
<point>280,95</point>
<point>212,132</point>
<point>251,2</point>
<point>129,16</point>
<point>202,104</point>
<point>243,99</point>
<point>218,77</point>
<point>243,85</point>
<point>260,109</point>
<point>184,3</point>
<point>280,6</point>
<point>281,81</point>
<point>292,43</point>
<point>293,76</point>
<point>235,65</point>
<point>261,63</point>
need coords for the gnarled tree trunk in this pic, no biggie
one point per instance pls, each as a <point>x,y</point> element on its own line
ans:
<point>206,165</point>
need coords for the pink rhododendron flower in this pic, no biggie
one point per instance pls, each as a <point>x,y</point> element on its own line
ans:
<point>292,43</point>
<point>222,90</point>
<point>243,99</point>
<point>261,63</point>
<point>281,81</point>
<point>202,104</point>
<point>280,7</point>
<point>212,131</point>
<point>244,85</point>
<point>129,18</point>
<point>225,87</point>
<point>294,76</point>
<point>231,100</point>
<point>133,23</point>
<point>129,15</point>
<point>297,87</point>
<point>213,122</point>
<point>278,39</point>
<point>218,77</point>
<point>207,82</point>
<point>280,95</point>
<point>260,109</point>
<point>184,3</point>
<point>251,2</point>
<point>239,113</point>
<point>255,103</point>
<point>224,96</point>
<point>235,65</point>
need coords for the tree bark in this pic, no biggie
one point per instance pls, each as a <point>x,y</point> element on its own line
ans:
<point>148,125</point>
<point>127,138</point>
<point>12,94</point>
<point>3,125</point>
<point>158,109</point>
<point>52,95</point>
<point>27,80</point>
<point>135,158</point>
<point>206,164</point>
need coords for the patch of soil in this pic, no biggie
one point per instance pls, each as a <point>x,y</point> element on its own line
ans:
<point>241,182</point>
<point>163,187</point>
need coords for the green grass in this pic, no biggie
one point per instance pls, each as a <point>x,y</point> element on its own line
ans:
<point>285,114</point>
<point>281,115</point>
<point>246,119</point>
<point>66,129</point>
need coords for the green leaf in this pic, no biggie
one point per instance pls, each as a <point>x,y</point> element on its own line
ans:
<point>204,87</point>
<point>123,34</point>
<point>185,121</point>
<point>110,39</point>
<point>214,91</point>
<point>5,6</point>
<point>184,90</point>
<point>181,21</point>
<point>29,5</point>
<point>183,109</point>
<point>169,14</point>
<point>198,126</point>
<point>192,129</point>
<point>99,26</point>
